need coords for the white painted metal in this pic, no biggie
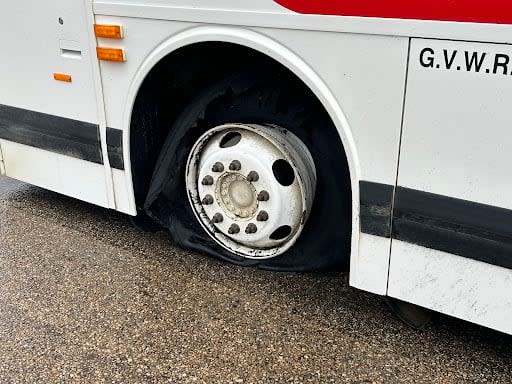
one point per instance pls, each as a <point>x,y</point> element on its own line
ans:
<point>234,196</point>
<point>98,88</point>
<point>369,267</point>
<point>456,286</point>
<point>123,192</point>
<point>35,45</point>
<point>76,178</point>
<point>455,143</point>
<point>457,123</point>
<point>31,37</point>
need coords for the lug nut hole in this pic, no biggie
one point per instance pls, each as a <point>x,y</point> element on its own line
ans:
<point>281,232</point>
<point>283,172</point>
<point>230,139</point>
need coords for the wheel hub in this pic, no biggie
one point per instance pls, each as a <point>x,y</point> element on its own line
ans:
<point>251,187</point>
<point>236,195</point>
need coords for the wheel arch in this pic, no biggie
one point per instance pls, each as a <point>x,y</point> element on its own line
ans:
<point>279,54</point>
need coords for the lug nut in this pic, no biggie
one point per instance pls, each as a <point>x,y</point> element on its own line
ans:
<point>263,196</point>
<point>207,200</point>
<point>262,216</point>
<point>234,229</point>
<point>218,167</point>
<point>251,228</point>
<point>217,218</point>
<point>208,180</point>
<point>253,176</point>
<point>235,165</point>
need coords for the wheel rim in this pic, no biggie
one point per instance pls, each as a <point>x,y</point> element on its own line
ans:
<point>251,187</point>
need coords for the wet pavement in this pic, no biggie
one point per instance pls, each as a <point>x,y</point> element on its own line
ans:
<point>85,297</point>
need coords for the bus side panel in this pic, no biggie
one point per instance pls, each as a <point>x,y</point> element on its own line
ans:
<point>51,130</point>
<point>367,76</point>
<point>35,45</point>
<point>453,285</point>
<point>452,225</point>
<point>73,177</point>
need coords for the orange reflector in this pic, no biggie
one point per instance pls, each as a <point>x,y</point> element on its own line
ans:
<point>110,54</point>
<point>62,77</point>
<point>108,31</point>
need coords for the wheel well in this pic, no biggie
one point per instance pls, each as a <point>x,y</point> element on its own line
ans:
<point>174,82</point>
<point>168,88</point>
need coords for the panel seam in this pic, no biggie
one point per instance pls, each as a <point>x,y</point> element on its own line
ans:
<point>398,161</point>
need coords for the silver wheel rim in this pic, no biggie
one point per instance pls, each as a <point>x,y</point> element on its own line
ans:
<point>251,187</point>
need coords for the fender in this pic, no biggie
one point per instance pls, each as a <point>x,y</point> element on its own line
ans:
<point>279,53</point>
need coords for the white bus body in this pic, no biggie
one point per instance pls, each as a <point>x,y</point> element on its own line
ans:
<point>422,108</point>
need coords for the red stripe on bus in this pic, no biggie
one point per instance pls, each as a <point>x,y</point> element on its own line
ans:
<point>477,11</point>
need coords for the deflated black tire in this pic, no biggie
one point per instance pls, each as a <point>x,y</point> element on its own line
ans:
<point>259,99</point>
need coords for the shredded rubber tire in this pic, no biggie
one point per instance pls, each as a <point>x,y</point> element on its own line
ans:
<point>263,99</point>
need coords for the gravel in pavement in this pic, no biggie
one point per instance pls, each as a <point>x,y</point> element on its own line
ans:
<point>85,297</point>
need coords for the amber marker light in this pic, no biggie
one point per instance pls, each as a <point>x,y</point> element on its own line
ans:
<point>108,31</point>
<point>62,77</point>
<point>110,54</point>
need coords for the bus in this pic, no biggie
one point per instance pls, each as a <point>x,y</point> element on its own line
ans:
<point>287,135</point>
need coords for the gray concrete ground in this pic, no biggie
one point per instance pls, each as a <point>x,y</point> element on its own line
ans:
<point>84,297</point>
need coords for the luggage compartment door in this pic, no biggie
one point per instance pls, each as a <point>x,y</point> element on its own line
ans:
<point>452,225</point>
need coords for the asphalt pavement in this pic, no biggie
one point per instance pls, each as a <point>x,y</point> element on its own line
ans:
<point>85,297</point>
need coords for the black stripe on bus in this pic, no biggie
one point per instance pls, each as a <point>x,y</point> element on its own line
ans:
<point>115,148</point>
<point>53,133</point>
<point>476,231</point>
<point>464,228</point>
<point>376,204</point>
